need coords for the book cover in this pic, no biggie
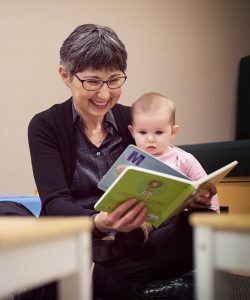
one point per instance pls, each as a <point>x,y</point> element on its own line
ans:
<point>133,156</point>
<point>163,194</point>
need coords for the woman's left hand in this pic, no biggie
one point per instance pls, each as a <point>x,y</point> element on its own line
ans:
<point>202,199</point>
<point>126,217</point>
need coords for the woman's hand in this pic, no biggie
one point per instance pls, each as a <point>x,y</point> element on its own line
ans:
<point>202,199</point>
<point>126,217</point>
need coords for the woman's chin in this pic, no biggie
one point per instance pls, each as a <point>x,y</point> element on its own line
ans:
<point>98,110</point>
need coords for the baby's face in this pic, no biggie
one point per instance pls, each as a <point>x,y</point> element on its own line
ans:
<point>152,133</point>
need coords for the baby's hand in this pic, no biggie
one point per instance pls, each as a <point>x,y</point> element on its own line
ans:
<point>203,198</point>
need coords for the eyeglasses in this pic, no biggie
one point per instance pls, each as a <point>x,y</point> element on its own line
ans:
<point>96,84</point>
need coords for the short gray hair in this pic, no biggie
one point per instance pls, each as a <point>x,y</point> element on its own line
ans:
<point>94,46</point>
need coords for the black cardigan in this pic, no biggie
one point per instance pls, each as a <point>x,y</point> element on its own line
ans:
<point>53,153</point>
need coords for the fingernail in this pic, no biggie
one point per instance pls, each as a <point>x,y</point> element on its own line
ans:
<point>133,200</point>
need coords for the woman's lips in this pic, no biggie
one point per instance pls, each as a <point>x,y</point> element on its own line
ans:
<point>99,104</point>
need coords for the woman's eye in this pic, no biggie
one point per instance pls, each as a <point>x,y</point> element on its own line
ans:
<point>114,80</point>
<point>93,82</point>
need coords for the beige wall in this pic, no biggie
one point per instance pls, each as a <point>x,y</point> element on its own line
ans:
<point>186,49</point>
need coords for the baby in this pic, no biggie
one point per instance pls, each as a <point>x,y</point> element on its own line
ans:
<point>153,127</point>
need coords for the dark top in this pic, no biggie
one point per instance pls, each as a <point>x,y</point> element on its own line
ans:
<point>52,143</point>
<point>92,162</point>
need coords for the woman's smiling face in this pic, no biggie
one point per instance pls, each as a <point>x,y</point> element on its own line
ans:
<point>93,104</point>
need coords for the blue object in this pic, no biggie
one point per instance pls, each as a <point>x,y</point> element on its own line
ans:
<point>32,203</point>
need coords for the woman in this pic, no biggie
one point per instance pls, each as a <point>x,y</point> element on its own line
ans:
<point>72,146</point>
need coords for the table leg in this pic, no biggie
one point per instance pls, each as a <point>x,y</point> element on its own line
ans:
<point>78,285</point>
<point>210,283</point>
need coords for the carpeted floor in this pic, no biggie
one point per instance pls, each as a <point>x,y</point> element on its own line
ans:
<point>240,287</point>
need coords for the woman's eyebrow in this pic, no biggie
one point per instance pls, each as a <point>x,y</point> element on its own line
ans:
<point>89,76</point>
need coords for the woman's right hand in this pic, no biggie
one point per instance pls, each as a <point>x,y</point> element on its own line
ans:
<point>126,217</point>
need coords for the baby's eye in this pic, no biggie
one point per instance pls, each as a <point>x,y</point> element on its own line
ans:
<point>142,132</point>
<point>159,132</point>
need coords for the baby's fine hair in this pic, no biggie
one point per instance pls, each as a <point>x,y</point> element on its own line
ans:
<point>152,102</point>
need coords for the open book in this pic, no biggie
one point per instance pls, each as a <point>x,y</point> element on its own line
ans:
<point>134,156</point>
<point>163,194</point>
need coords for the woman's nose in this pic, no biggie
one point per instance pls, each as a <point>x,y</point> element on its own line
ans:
<point>104,92</point>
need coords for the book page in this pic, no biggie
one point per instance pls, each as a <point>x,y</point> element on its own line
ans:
<point>216,176</point>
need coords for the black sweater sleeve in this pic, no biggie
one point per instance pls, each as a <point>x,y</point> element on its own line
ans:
<point>52,149</point>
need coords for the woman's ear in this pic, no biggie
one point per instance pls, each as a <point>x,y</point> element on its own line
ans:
<point>175,129</point>
<point>64,75</point>
<point>130,128</point>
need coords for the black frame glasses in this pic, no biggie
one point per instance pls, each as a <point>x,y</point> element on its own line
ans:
<point>96,84</point>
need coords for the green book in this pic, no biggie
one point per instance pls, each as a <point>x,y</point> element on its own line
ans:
<point>163,194</point>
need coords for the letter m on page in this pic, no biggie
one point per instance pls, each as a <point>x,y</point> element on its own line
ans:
<point>136,158</point>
